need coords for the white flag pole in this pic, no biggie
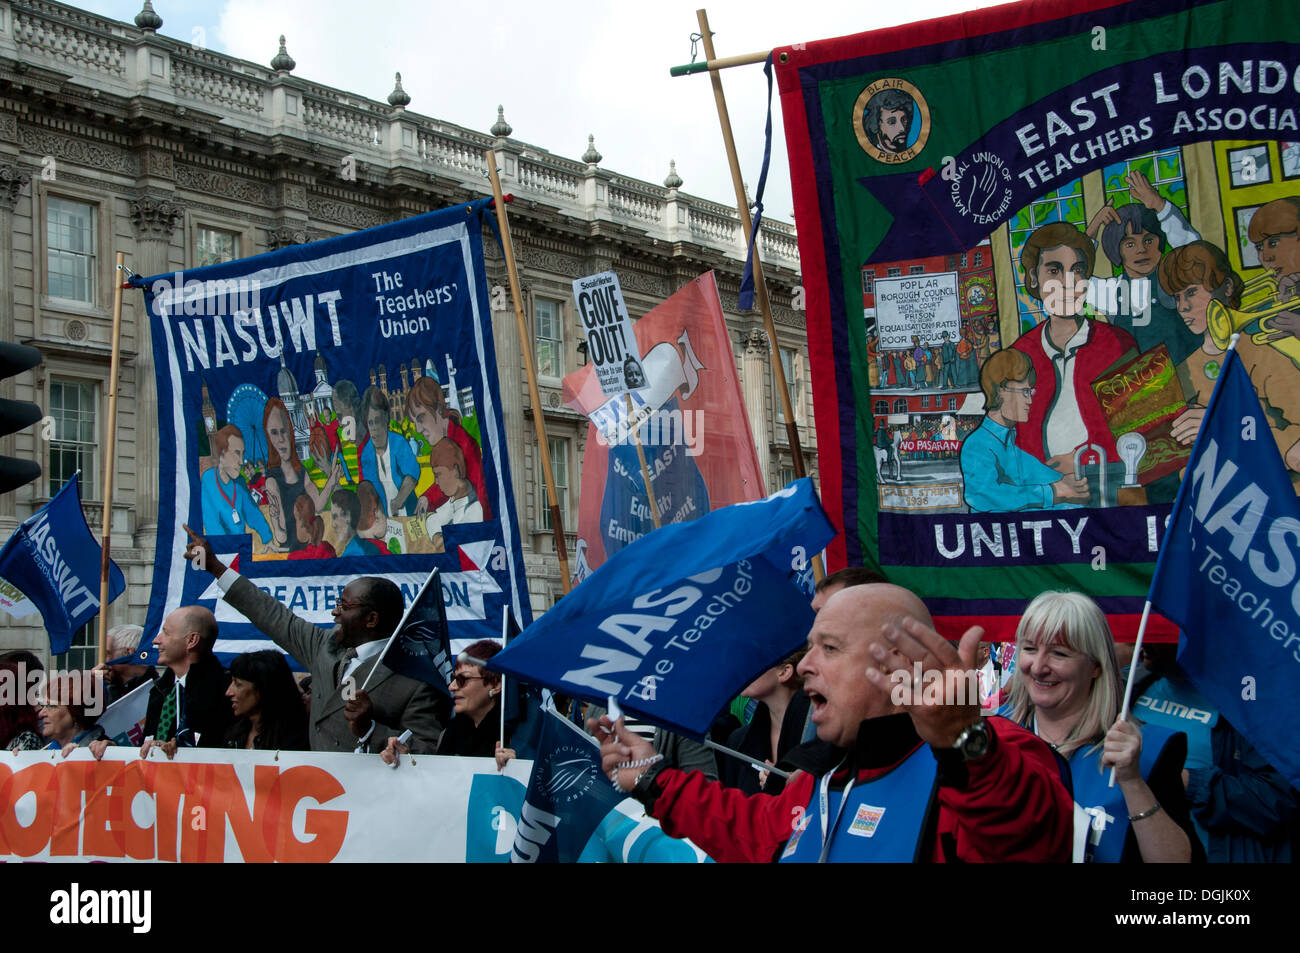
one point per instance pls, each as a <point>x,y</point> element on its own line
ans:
<point>505,621</point>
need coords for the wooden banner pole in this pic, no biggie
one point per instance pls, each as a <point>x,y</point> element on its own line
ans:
<point>110,458</point>
<point>760,283</point>
<point>645,468</point>
<point>543,448</point>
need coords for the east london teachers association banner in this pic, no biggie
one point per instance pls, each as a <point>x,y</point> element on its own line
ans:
<point>328,411</point>
<point>1027,234</point>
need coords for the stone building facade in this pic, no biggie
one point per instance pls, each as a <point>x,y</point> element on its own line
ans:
<point>114,137</point>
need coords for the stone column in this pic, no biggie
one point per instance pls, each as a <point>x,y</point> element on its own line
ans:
<point>155,221</point>
<point>754,380</point>
<point>12,182</point>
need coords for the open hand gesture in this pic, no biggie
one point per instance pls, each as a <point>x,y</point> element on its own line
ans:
<point>915,642</point>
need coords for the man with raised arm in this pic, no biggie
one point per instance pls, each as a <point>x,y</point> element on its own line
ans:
<point>343,716</point>
<point>883,781</point>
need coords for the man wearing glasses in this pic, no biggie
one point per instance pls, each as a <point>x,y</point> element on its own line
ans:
<point>999,476</point>
<point>343,717</point>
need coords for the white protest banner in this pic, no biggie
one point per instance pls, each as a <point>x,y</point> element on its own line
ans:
<point>611,345</point>
<point>13,601</point>
<point>123,721</point>
<point>213,805</point>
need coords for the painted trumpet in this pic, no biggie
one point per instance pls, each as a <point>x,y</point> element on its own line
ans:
<point>1223,322</point>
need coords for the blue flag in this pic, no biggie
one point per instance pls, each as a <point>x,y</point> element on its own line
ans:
<point>568,796</point>
<point>421,646</point>
<point>1227,572</point>
<point>54,559</point>
<point>681,620</point>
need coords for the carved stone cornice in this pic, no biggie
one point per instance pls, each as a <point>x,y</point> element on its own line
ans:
<point>12,181</point>
<point>155,218</point>
<point>285,235</point>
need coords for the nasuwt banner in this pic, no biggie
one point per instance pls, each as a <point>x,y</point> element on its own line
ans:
<point>1027,233</point>
<point>689,419</point>
<point>330,410</point>
<point>55,561</point>
<point>210,806</point>
<point>1227,575</point>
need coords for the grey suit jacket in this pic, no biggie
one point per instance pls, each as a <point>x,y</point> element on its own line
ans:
<point>399,702</point>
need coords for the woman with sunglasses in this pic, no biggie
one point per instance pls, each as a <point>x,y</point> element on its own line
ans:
<point>476,692</point>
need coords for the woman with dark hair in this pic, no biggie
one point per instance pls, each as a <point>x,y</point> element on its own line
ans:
<point>426,405</point>
<point>777,726</point>
<point>475,729</point>
<point>385,458</point>
<point>267,704</point>
<point>476,692</point>
<point>20,724</point>
<point>286,479</point>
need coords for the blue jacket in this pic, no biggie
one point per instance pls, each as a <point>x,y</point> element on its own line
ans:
<point>217,508</point>
<point>404,465</point>
<point>1250,811</point>
<point>1000,477</point>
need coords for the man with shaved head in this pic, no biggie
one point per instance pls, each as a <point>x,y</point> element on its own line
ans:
<point>188,705</point>
<point>900,771</point>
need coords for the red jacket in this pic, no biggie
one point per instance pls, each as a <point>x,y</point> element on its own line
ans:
<point>1105,345</point>
<point>1012,806</point>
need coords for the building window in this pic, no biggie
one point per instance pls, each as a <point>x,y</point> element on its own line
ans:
<point>868,281</point>
<point>925,401</point>
<point>549,338</point>
<point>72,446</point>
<point>950,263</point>
<point>70,249</point>
<point>560,468</point>
<point>881,408</point>
<point>916,269</point>
<point>979,259</point>
<point>793,367</point>
<point>83,651</point>
<point>215,245</point>
<point>784,476</point>
<point>900,405</point>
<point>952,403</point>
<point>894,272</point>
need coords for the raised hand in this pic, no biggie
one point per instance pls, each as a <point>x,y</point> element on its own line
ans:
<point>913,641</point>
<point>620,746</point>
<point>198,548</point>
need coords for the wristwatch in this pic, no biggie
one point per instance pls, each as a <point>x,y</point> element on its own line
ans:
<point>974,741</point>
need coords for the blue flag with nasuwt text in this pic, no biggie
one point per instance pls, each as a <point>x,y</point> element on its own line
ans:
<point>1227,572</point>
<point>677,623</point>
<point>54,560</point>
<point>568,796</point>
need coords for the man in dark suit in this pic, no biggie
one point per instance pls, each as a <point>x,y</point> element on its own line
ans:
<point>343,716</point>
<point>188,705</point>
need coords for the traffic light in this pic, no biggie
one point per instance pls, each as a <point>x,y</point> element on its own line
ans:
<point>17,414</point>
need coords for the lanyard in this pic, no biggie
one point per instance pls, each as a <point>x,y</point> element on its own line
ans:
<point>823,802</point>
<point>234,490</point>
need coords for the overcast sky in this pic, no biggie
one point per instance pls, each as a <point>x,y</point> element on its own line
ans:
<point>562,68</point>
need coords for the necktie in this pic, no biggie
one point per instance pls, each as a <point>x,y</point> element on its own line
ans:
<point>344,662</point>
<point>167,720</point>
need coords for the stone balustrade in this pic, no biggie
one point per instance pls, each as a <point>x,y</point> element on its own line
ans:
<point>257,101</point>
